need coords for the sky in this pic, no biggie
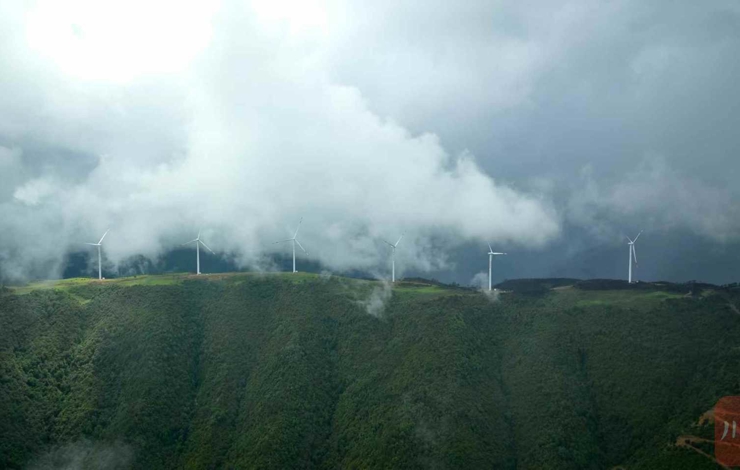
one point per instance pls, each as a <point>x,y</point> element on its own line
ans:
<point>551,130</point>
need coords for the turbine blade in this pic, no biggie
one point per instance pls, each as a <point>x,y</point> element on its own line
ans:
<point>389,243</point>
<point>399,239</point>
<point>634,254</point>
<point>490,250</point>
<point>631,241</point>
<point>203,243</point>
<point>283,241</point>
<point>188,243</point>
<point>299,227</point>
<point>638,236</point>
<point>199,230</point>
<point>101,238</point>
<point>93,244</point>
<point>299,244</point>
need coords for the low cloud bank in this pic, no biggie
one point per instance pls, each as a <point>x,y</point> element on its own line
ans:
<point>243,141</point>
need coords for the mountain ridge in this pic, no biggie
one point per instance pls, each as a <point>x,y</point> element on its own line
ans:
<point>291,371</point>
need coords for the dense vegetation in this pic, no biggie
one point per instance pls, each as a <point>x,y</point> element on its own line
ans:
<point>291,371</point>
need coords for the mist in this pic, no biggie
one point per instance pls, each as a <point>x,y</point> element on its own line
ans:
<point>502,124</point>
<point>378,299</point>
<point>245,144</point>
<point>85,454</point>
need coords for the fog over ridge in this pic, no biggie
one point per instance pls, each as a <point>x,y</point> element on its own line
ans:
<point>244,161</point>
<point>548,129</point>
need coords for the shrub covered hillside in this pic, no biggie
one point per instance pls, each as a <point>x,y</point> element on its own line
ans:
<point>302,371</point>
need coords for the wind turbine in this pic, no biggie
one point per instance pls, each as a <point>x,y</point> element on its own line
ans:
<point>198,242</point>
<point>393,257</point>
<point>633,254</point>
<point>491,254</point>
<point>294,240</point>
<point>100,262</point>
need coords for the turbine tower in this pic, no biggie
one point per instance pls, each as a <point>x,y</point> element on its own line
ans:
<point>100,262</point>
<point>198,242</point>
<point>491,254</point>
<point>633,255</point>
<point>294,240</point>
<point>393,257</point>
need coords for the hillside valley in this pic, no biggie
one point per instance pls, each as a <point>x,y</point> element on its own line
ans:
<point>282,371</point>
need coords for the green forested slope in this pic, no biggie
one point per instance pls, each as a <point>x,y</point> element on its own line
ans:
<point>291,371</point>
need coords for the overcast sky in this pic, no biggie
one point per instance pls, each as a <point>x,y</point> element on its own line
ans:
<point>549,129</point>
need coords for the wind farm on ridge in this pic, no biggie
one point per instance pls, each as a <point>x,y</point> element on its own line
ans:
<point>393,246</point>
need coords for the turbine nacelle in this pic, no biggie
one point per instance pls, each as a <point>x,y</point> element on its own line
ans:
<point>100,242</point>
<point>631,241</point>
<point>491,252</point>
<point>198,240</point>
<point>295,237</point>
<point>394,245</point>
<point>631,244</point>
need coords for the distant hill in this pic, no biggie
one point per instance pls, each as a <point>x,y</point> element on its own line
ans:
<point>306,371</point>
<point>535,286</point>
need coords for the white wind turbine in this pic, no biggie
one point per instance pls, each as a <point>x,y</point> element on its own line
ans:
<point>294,240</point>
<point>100,262</point>
<point>633,254</point>
<point>198,242</point>
<point>393,257</point>
<point>491,254</point>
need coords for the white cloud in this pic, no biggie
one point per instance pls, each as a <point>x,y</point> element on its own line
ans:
<point>249,138</point>
<point>116,41</point>
<point>378,299</point>
<point>35,191</point>
<point>243,117</point>
<point>660,198</point>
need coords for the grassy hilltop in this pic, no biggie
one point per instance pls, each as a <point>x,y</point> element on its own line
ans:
<point>292,371</point>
